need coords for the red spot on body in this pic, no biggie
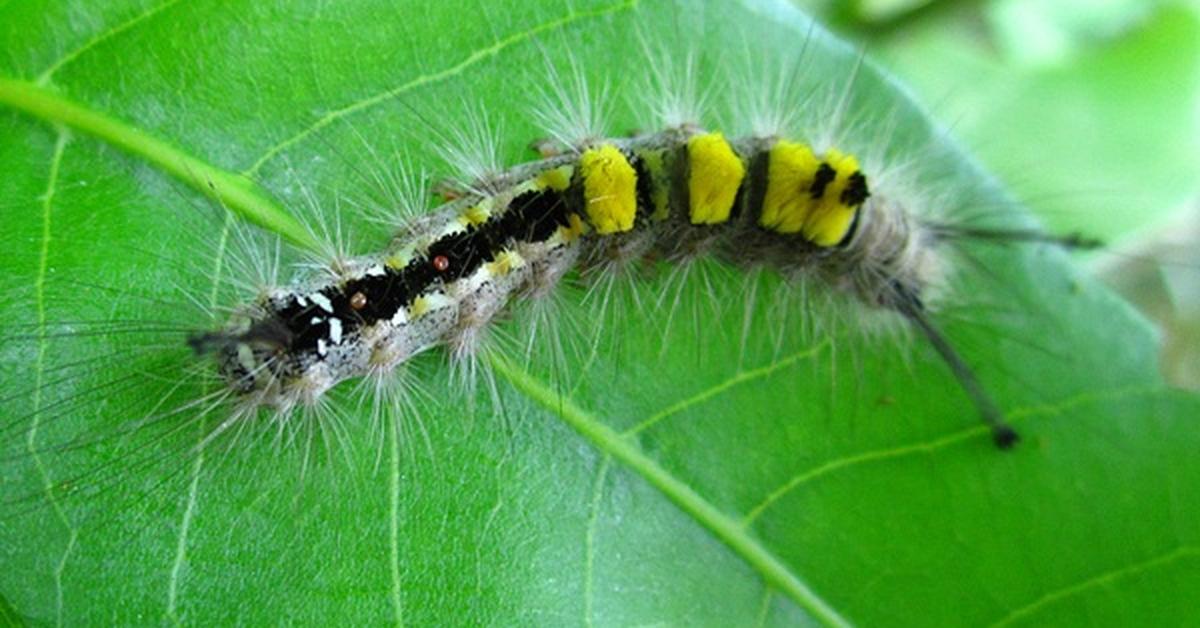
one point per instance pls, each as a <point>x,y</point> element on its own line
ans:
<point>441,263</point>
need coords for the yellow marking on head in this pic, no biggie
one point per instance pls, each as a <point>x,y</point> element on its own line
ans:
<point>660,183</point>
<point>830,218</point>
<point>715,176</point>
<point>557,179</point>
<point>474,216</point>
<point>505,262</point>
<point>609,189</point>
<point>791,167</point>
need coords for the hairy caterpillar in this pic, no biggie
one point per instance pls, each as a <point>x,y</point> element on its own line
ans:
<point>162,410</point>
<point>675,195</point>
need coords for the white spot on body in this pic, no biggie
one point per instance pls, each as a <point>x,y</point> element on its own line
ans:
<point>322,301</point>
<point>470,285</point>
<point>335,330</point>
<point>322,349</point>
<point>439,300</point>
<point>245,357</point>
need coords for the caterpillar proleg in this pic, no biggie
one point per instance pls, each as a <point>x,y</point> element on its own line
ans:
<point>746,306</point>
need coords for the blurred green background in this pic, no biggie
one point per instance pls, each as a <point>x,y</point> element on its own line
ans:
<point>1089,110</point>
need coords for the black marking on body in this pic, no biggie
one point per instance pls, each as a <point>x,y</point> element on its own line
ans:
<point>679,166</point>
<point>531,217</point>
<point>821,180</point>
<point>851,230</point>
<point>856,192</point>
<point>739,198</point>
<point>755,183</point>
<point>463,252</point>
<point>645,188</point>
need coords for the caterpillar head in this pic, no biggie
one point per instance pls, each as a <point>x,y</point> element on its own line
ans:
<point>251,353</point>
<point>291,345</point>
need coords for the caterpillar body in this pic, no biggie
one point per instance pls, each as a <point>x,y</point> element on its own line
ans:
<point>675,195</point>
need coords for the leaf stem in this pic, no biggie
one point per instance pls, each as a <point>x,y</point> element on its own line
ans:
<point>239,194</point>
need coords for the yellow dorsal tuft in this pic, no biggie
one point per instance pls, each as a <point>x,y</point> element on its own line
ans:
<point>716,173</point>
<point>609,189</point>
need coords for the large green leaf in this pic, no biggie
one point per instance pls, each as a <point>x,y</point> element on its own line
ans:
<point>666,473</point>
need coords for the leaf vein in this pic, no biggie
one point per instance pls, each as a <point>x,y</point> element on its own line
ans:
<point>99,38</point>
<point>426,79</point>
<point>60,144</point>
<point>1099,580</point>
<point>589,568</point>
<point>741,377</point>
<point>394,522</point>
<point>185,523</point>
<point>932,445</point>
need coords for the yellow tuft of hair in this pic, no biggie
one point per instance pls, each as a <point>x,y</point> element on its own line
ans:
<point>504,263</point>
<point>557,179</point>
<point>420,306</point>
<point>830,217</point>
<point>716,173</point>
<point>791,167</point>
<point>398,260</point>
<point>473,216</point>
<point>574,229</point>
<point>609,189</point>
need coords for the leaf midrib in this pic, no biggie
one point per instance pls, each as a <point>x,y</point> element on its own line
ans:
<point>237,193</point>
<point>725,528</point>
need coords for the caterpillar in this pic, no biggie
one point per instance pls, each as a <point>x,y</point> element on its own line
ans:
<point>802,186</point>
<point>674,195</point>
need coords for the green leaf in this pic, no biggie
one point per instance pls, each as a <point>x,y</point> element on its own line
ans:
<point>675,470</point>
<point>1099,136</point>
